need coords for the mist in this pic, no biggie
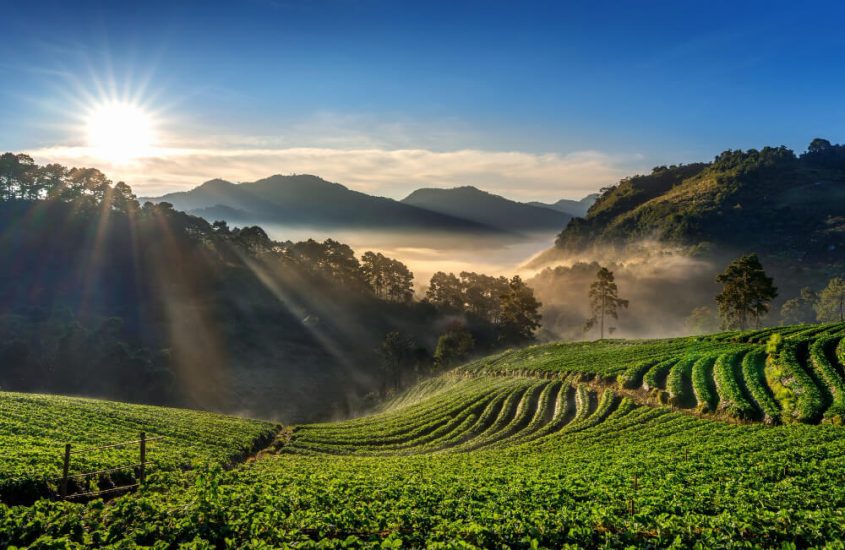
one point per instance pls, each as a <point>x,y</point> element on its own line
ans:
<point>664,284</point>
<point>426,253</point>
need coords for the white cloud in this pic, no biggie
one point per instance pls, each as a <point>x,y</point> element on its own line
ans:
<point>382,171</point>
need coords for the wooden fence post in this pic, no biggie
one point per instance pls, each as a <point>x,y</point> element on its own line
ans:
<point>65,468</point>
<point>142,473</point>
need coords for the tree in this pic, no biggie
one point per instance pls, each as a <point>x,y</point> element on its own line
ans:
<point>519,316</point>
<point>819,145</point>
<point>221,227</point>
<point>746,292</point>
<point>445,291</point>
<point>254,240</point>
<point>831,303</point>
<point>482,295</point>
<point>390,279</point>
<point>17,176</point>
<point>396,349</point>
<point>453,345</point>
<point>800,309</point>
<point>604,300</point>
<point>123,199</point>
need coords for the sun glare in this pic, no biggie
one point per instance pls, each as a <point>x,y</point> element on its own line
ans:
<point>119,131</point>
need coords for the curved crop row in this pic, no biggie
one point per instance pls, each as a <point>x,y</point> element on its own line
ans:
<point>390,432</point>
<point>793,387</point>
<point>702,384</point>
<point>429,436</point>
<point>656,375</point>
<point>605,406</point>
<point>564,411</point>
<point>679,383</point>
<point>509,410</point>
<point>543,413</point>
<point>633,375</point>
<point>753,371</point>
<point>827,373</point>
<point>526,410</point>
<point>440,403</point>
<point>732,399</point>
<point>840,353</point>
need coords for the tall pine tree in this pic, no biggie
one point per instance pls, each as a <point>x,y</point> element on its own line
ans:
<point>746,292</point>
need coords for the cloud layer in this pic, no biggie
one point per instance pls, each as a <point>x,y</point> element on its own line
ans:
<point>386,172</point>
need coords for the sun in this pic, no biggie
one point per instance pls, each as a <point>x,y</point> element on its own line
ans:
<point>119,131</point>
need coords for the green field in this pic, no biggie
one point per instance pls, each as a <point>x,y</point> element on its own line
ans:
<point>731,440</point>
<point>35,428</point>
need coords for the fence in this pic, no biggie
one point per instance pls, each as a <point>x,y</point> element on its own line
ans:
<point>140,467</point>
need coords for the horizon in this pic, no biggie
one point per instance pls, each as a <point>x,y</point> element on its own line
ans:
<point>538,102</point>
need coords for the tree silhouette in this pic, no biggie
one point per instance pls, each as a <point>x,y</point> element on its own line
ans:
<point>396,350</point>
<point>390,279</point>
<point>604,300</point>
<point>746,292</point>
<point>519,316</point>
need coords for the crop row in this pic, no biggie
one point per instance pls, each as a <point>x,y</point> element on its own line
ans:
<point>802,377</point>
<point>732,396</point>
<point>698,482</point>
<point>799,396</point>
<point>753,371</point>
<point>517,411</point>
<point>820,354</point>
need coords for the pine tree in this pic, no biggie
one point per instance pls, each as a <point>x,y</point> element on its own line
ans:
<point>604,300</point>
<point>746,292</point>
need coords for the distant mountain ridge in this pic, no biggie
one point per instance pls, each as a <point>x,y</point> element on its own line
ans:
<point>307,200</point>
<point>576,209</point>
<point>310,201</point>
<point>486,208</point>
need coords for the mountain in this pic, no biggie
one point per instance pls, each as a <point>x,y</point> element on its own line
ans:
<point>487,209</point>
<point>312,201</point>
<point>768,201</point>
<point>576,209</point>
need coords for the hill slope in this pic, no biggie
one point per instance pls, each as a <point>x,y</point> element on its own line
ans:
<point>769,201</point>
<point>487,209</point>
<point>540,447</point>
<point>311,201</point>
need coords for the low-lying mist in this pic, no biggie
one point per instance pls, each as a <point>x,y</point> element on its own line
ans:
<point>426,253</point>
<point>664,285</point>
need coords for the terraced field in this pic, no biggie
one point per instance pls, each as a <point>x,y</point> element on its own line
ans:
<point>731,440</point>
<point>473,414</point>
<point>792,375</point>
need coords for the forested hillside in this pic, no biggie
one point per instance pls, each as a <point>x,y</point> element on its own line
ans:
<point>768,201</point>
<point>102,296</point>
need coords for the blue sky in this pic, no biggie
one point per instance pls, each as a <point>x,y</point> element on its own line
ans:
<point>530,99</point>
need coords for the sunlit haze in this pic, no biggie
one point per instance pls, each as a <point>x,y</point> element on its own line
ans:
<point>118,132</point>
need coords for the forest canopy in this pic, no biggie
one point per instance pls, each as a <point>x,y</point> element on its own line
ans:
<point>100,294</point>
